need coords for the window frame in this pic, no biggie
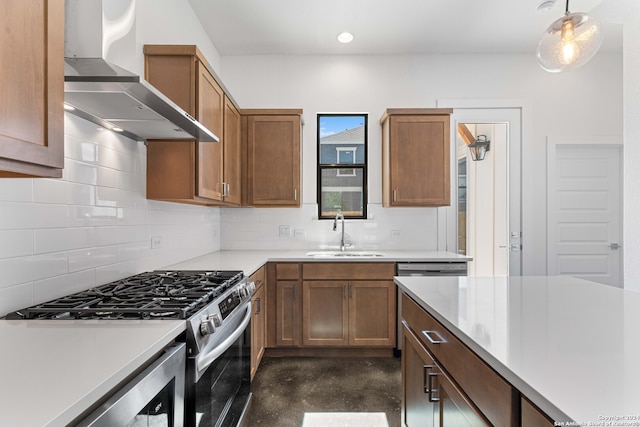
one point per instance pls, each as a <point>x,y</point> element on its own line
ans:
<point>338,166</point>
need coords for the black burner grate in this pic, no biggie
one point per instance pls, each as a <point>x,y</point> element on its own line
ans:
<point>150,295</point>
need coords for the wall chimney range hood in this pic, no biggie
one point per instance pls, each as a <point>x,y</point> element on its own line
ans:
<point>113,97</point>
<point>107,94</point>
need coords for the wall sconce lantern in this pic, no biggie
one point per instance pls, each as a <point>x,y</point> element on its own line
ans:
<point>479,147</point>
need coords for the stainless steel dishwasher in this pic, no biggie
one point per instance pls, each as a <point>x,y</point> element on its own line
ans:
<point>431,268</point>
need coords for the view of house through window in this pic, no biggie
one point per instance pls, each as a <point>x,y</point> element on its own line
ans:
<point>342,165</point>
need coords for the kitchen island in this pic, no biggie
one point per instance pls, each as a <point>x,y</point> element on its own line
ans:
<point>567,345</point>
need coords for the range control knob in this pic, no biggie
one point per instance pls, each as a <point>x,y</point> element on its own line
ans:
<point>252,287</point>
<point>216,320</point>
<point>207,327</point>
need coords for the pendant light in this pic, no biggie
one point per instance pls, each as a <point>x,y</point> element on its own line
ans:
<point>569,42</point>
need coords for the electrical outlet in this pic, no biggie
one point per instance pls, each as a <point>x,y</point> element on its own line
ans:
<point>285,231</point>
<point>299,233</point>
<point>156,242</point>
<point>395,234</point>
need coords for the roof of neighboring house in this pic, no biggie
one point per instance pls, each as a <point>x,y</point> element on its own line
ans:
<point>349,136</point>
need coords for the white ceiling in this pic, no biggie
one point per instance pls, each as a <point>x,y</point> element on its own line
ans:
<point>254,27</point>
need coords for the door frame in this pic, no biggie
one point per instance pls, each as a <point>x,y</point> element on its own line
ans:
<point>520,261</point>
<point>583,141</point>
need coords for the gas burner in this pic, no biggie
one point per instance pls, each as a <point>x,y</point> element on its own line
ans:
<point>151,295</point>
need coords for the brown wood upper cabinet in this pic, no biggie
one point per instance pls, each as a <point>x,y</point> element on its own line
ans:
<point>415,157</point>
<point>189,171</point>
<point>32,82</point>
<point>272,142</point>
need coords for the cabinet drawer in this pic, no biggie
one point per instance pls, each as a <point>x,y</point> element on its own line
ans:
<point>289,271</point>
<point>258,278</point>
<point>348,271</point>
<point>489,392</point>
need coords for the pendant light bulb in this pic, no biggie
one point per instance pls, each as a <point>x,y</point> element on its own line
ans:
<point>570,49</point>
<point>569,42</point>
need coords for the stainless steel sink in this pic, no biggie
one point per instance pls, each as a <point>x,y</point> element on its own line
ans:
<point>345,254</point>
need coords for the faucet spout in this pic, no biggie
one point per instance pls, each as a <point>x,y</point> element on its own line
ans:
<point>340,217</point>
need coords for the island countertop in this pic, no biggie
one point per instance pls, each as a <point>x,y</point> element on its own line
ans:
<point>571,346</point>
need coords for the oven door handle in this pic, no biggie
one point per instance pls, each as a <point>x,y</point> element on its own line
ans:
<point>206,360</point>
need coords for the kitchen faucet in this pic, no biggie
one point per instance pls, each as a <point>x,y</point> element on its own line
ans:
<point>339,216</point>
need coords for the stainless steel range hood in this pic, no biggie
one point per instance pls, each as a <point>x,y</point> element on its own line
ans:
<point>113,97</point>
<point>109,95</point>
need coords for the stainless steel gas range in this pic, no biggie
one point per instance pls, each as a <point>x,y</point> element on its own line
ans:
<point>216,306</point>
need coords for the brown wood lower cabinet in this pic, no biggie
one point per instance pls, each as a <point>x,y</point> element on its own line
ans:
<point>332,305</point>
<point>430,398</point>
<point>532,416</point>
<point>258,319</point>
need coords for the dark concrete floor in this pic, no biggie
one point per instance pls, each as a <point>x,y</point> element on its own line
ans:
<point>285,388</point>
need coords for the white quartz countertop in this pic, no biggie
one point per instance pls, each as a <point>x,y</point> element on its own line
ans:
<point>250,261</point>
<point>53,370</point>
<point>571,346</point>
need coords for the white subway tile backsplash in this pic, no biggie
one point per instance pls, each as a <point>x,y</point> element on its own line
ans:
<point>134,250</point>
<point>94,225</point>
<point>59,191</point>
<point>58,286</point>
<point>86,258</point>
<point>16,243</point>
<point>30,215</point>
<point>15,297</point>
<point>79,172</point>
<point>16,189</point>
<point>63,239</point>
<point>29,268</point>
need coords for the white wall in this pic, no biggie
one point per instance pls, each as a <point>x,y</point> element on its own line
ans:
<point>587,101</point>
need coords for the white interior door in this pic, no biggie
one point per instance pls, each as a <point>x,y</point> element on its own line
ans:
<point>584,212</point>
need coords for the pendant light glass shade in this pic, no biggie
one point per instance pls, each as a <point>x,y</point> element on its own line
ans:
<point>569,42</point>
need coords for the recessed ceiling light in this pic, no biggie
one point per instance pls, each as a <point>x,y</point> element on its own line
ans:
<point>345,37</point>
<point>546,5</point>
<point>116,129</point>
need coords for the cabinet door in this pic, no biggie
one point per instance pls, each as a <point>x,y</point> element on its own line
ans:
<point>417,410</point>
<point>32,88</point>
<point>232,153</point>
<point>325,313</point>
<point>455,408</point>
<point>288,309</point>
<point>532,416</point>
<point>372,313</point>
<point>273,157</point>
<point>419,160</point>
<point>258,328</point>
<point>210,113</point>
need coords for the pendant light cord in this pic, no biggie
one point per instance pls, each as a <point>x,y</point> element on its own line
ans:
<point>566,9</point>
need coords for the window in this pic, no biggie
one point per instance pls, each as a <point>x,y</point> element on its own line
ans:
<point>342,141</point>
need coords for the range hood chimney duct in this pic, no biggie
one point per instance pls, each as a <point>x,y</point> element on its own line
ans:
<point>109,95</point>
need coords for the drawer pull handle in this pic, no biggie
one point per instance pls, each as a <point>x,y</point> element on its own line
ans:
<point>434,394</point>
<point>428,334</point>
<point>425,378</point>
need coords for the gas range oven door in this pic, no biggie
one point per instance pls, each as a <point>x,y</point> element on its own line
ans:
<point>218,378</point>
<point>155,397</point>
